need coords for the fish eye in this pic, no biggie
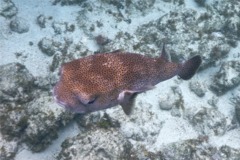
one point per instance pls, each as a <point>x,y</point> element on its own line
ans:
<point>92,100</point>
<point>87,100</point>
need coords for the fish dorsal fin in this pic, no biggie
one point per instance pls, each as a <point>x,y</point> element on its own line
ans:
<point>126,100</point>
<point>117,51</point>
<point>164,55</point>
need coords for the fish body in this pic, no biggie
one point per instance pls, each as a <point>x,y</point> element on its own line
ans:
<point>105,80</point>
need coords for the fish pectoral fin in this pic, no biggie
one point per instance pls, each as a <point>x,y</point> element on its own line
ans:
<point>126,100</point>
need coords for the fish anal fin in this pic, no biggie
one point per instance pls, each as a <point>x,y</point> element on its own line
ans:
<point>146,88</point>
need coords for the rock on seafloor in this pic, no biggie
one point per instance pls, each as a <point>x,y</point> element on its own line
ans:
<point>45,118</point>
<point>7,8</point>
<point>226,78</point>
<point>8,149</point>
<point>27,114</point>
<point>198,149</point>
<point>199,36</point>
<point>97,144</point>
<point>198,88</point>
<point>16,83</point>
<point>19,25</point>
<point>208,121</point>
<point>236,102</point>
<point>173,101</point>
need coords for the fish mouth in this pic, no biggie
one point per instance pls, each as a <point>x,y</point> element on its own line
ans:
<point>61,103</point>
<point>56,97</point>
<point>67,106</point>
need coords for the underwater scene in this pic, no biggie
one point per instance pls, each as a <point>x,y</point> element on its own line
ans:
<point>119,79</point>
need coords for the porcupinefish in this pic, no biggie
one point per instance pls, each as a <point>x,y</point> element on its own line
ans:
<point>105,80</point>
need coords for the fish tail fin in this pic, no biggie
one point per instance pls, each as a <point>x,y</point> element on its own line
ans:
<point>189,68</point>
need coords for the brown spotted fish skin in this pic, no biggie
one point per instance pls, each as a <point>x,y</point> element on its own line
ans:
<point>105,80</point>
